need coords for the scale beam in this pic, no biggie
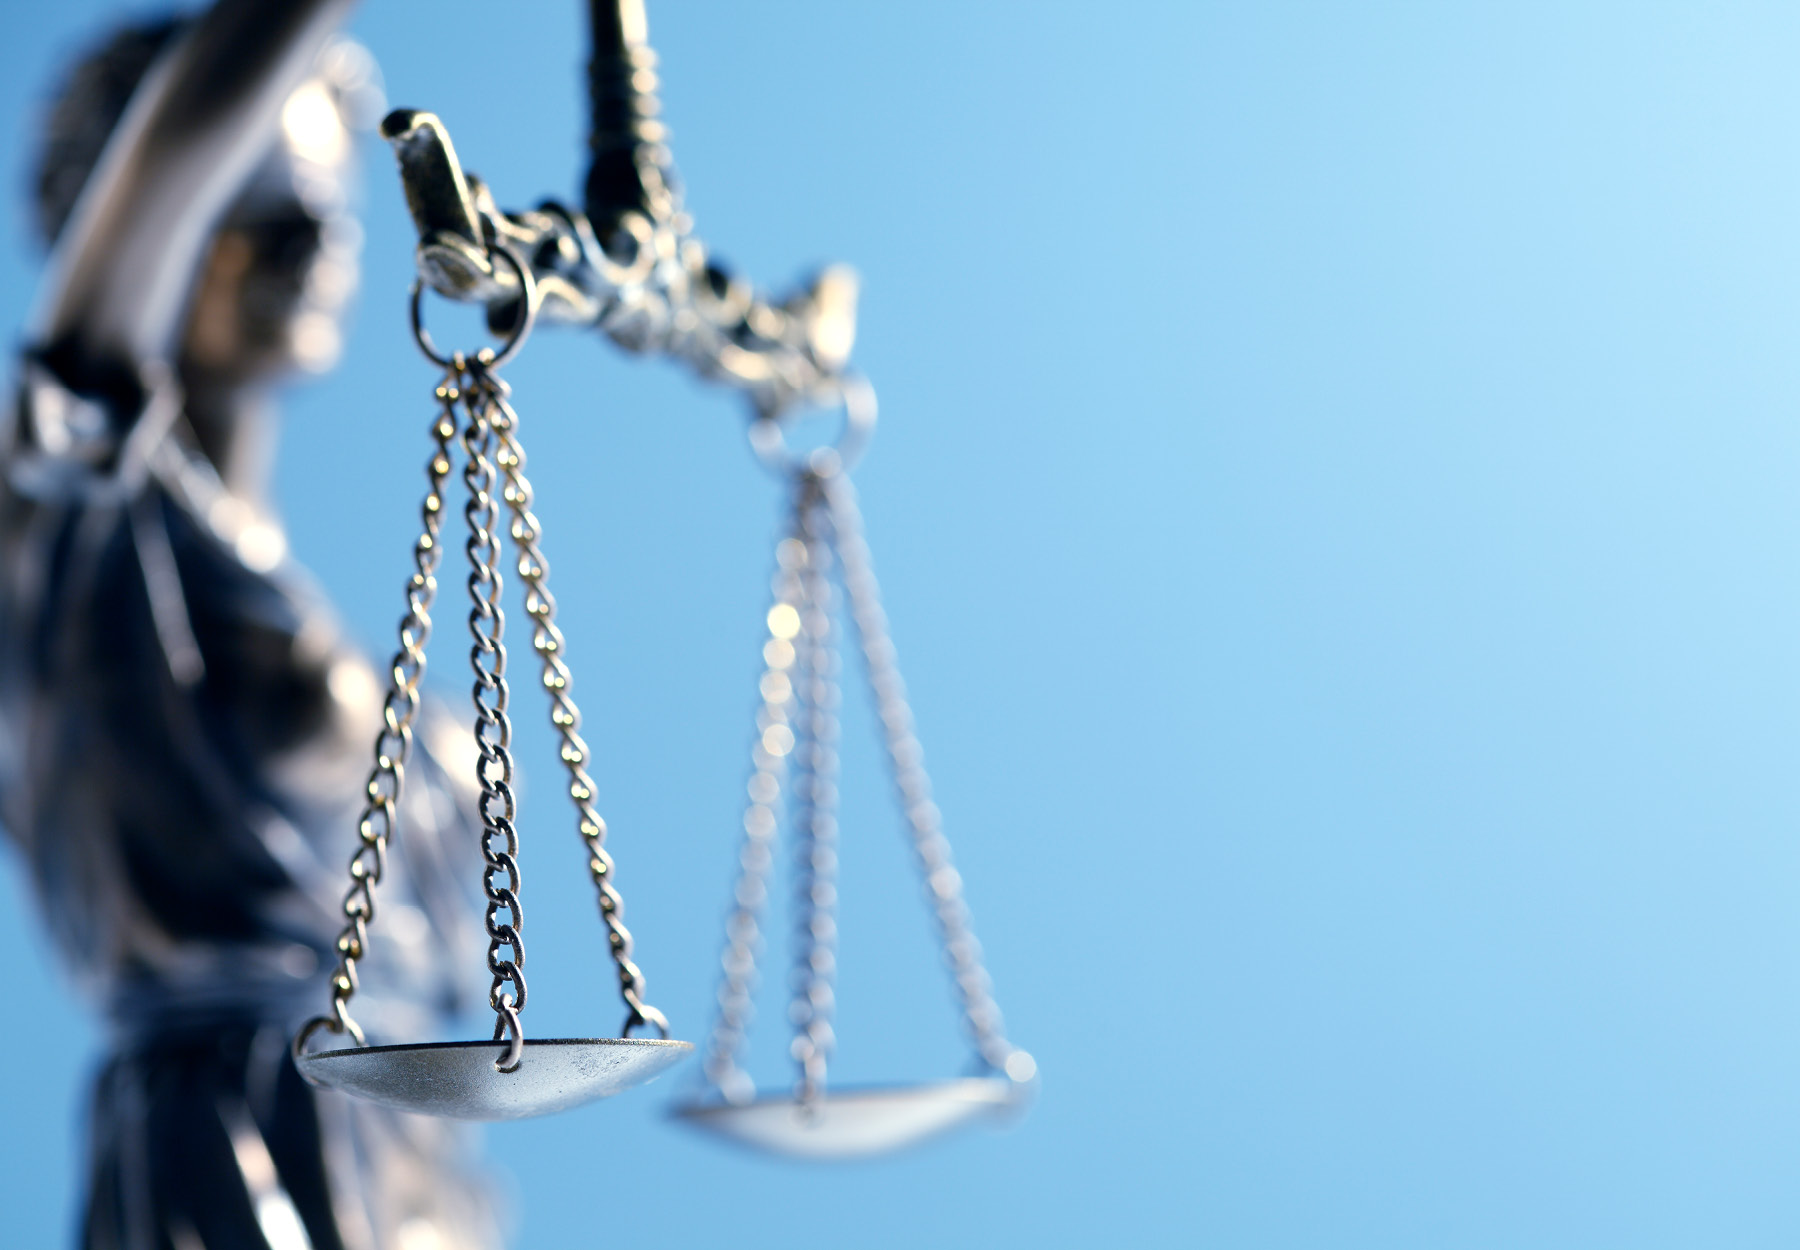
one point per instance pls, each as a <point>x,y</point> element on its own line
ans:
<point>630,265</point>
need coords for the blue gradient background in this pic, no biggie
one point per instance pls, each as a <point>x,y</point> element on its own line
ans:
<point>1337,501</point>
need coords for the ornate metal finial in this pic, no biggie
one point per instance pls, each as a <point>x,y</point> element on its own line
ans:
<point>630,265</point>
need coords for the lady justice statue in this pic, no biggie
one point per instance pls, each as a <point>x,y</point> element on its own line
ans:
<point>184,731</point>
<point>184,728</point>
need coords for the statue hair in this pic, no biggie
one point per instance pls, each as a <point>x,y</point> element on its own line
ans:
<point>84,111</point>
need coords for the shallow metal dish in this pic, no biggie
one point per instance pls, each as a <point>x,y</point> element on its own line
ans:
<point>458,1079</point>
<point>856,1122</point>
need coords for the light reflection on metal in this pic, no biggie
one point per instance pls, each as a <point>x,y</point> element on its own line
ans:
<point>185,720</point>
<point>509,1077</point>
<point>630,265</point>
<point>458,1080</point>
<point>856,1123</point>
<point>212,251</point>
<point>796,753</point>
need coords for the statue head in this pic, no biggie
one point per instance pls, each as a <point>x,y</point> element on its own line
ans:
<point>270,294</point>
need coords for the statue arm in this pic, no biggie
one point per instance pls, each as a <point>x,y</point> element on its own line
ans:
<point>121,274</point>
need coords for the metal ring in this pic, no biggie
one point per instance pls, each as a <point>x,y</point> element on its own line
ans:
<point>644,1015</point>
<point>332,1024</point>
<point>507,1027</point>
<point>520,331</point>
<point>769,441</point>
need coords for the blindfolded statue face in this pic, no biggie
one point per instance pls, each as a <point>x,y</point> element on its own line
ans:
<point>272,293</point>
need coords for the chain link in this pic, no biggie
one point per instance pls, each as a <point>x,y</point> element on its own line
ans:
<point>931,849</point>
<point>756,857</point>
<point>547,640</point>
<point>494,459</point>
<point>799,720</point>
<point>493,725</point>
<point>393,745</point>
<point>815,805</point>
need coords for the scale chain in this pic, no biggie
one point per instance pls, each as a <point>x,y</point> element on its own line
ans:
<point>493,725</point>
<point>547,640</point>
<point>768,758</point>
<point>815,804</point>
<point>931,849</point>
<point>393,744</point>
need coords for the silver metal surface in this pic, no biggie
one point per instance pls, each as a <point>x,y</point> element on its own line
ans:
<point>912,786</point>
<point>798,722</point>
<point>497,805</point>
<point>631,265</point>
<point>552,650</point>
<point>812,983</point>
<point>851,391</point>
<point>855,1123</point>
<point>488,358</point>
<point>756,857</point>
<point>187,767</point>
<point>460,1080</point>
<point>493,474</point>
<point>393,744</point>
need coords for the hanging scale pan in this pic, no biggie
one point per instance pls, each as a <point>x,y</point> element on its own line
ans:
<point>797,733</point>
<point>854,1123</point>
<point>508,1077</point>
<point>462,1080</point>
